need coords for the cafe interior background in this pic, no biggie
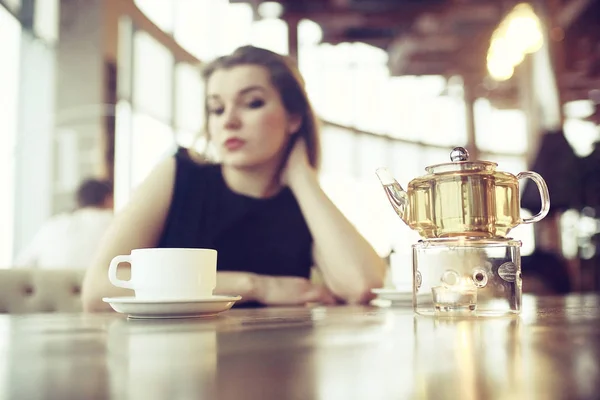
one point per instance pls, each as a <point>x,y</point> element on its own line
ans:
<point>107,88</point>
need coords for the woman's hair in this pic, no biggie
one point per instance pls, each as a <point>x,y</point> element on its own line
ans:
<point>286,78</point>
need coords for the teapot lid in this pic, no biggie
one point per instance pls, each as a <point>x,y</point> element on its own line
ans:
<point>460,162</point>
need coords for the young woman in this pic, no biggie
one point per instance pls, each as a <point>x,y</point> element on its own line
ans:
<point>260,206</point>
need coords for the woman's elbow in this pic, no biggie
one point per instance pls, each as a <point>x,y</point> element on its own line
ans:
<point>358,296</point>
<point>91,302</point>
<point>362,292</point>
<point>359,290</point>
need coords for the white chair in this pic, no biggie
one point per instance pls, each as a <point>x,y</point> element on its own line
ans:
<point>40,291</point>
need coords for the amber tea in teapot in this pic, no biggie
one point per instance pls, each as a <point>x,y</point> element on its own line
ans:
<point>462,198</point>
<point>477,204</point>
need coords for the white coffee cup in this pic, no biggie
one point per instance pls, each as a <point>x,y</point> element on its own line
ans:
<point>158,274</point>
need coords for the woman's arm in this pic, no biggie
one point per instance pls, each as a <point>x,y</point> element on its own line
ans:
<point>350,266</point>
<point>272,290</point>
<point>138,225</point>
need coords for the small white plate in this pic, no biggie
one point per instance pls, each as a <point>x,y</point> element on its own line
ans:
<point>180,308</point>
<point>393,294</point>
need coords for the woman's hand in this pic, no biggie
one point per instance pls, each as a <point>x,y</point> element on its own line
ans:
<point>297,165</point>
<point>279,291</point>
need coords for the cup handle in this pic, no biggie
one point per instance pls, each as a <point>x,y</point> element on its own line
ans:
<point>545,196</point>
<point>112,272</point>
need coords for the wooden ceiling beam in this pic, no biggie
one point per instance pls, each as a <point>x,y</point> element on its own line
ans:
<point>402,15</point>
<point>357,19</point>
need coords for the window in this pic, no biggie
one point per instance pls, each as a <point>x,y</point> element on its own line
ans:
<point>151,141</point>
<point>144,126</point>
<point>152,77</point>
<point>210,28</point>
<point>189,106</point>
<point>236,28</point>
<point>502,131</point>
<point>417,111</point>
<point>189,98</point>
<point>161,12</point>
<point>45,22</point>
<point>10,32</point>
<point>271,34</point>
<point>123,140</point>
<point>144,130</point>
<point>370,87</point>
<point>338,152</point>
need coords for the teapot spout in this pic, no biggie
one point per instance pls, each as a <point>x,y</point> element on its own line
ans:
<point>394,192</point>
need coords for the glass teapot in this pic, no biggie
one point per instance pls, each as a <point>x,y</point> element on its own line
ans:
<point>462,198</point>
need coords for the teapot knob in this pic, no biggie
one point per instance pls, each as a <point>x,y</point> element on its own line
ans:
<point>459,154</point>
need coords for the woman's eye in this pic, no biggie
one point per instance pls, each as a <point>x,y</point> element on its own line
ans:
<point>216,110</point>
<point>257,103</point>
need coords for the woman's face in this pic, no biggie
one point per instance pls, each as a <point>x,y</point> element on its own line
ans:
<point>247,121</point>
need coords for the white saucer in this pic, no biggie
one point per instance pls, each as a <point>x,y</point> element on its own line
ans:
<point>393,295</point>
<point>179,308</point>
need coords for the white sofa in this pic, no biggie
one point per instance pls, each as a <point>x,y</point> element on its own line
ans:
<point>40,291</point>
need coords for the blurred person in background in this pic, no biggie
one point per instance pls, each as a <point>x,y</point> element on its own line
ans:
<point>67,240</point>
<point>261,206</point>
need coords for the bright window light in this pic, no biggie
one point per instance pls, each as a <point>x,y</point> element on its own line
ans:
<point>581,135</point>
<point>152,140</point>
<point>309,33</point>
<point>271,34</point>
<point>10,32</point>
<point>161,12</point>
<point>579,108</point>
<point>189,98</point>
<point>45,22</point>
<point>210,28</point>
<point>152,77</point>
<point>503,131</point>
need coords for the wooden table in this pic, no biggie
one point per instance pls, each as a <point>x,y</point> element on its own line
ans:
<point>551,351</point>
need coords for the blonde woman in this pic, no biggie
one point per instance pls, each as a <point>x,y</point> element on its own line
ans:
<point>261,207</point>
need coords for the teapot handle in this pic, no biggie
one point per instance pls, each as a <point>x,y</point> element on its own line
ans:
<point>545,196</point>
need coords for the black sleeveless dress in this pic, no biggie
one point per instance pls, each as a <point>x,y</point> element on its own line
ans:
<point>263,236</point>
